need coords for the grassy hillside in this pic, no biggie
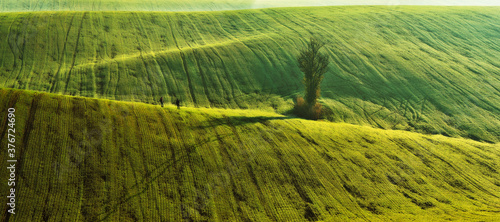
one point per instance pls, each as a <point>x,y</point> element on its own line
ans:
<point>95,160</point>
<point>155,5</point>
<point>200,5</point>
<point>429,69</point>
<point>123,5</point>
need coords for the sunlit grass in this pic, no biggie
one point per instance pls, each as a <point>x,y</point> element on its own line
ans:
<point>123,161</point>
<point>425,69</point>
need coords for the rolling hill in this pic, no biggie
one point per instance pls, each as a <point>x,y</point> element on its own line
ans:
<point>162,5</point>
<point>426,69</point>
<point>205,5</point>
<point>84,159</point>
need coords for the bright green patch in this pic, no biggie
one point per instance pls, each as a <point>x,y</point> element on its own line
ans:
<point>426,69</point>
<point>122,161</point>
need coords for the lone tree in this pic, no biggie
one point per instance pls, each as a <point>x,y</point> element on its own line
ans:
<point>313,64</point>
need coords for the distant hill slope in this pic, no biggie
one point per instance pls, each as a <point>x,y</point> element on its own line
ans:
<point>123,5</point>
<point>430,69</point>
<point>204,5</point>
<point>159,5</point>
<point>93,160</point>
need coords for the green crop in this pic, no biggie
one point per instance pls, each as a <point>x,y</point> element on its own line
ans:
<point>425,69</point>
<point>83,159</point>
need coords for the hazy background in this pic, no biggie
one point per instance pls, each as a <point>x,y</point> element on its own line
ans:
<point>268,3</point>
<point>206,5</point>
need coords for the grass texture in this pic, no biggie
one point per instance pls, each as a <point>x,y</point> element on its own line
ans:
<point>425,69</point>
<point>83,159</point>
<point>157,5</point>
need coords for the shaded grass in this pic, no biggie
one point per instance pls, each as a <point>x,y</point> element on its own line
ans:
<point>425,69</point>
<point>107,160</point>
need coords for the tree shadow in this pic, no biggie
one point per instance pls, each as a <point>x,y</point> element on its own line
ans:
<point>165,168</point>
<point>161,170</point>
<point>240,120</point>
<point>148,179</point>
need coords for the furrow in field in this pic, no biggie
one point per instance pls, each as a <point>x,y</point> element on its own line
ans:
<point>236,58</point>
<point>75,52</point>
<point>55,82</point>
<point>135,56</point>
<point>240,164</point>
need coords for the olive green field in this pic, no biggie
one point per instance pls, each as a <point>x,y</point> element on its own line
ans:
<point>86,159</point>
<point>410,125</point>
<point>425,69</point>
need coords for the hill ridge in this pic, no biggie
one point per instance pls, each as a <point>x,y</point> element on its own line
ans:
<point>426,69</point>
<point>109,160</point>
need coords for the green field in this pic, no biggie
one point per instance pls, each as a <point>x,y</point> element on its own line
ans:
<point>426,69</point>
<point>158,5</point>
<point>83,159</point>
<point>410,128</point>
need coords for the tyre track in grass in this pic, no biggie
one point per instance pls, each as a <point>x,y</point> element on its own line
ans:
<point>118,123</point>
<point>10,45</point>
<point>131,162</point>
<point>229,128</point>
<point>21,160</point>
<point>338,39</point>
<point>203,77</point>
<point>21,50</point>
<point>234,38</point>
<point>184,63</point>
<point>205,187</point>
<point>169,51</point>
<point>44,37</point>
<point>2,49</point>
<point>197,60</point>
<point>27,129</point>
<point>282,63</point>
<point>272,31</point>
<point>339,177</point>
<point>153,56</point>
<point>166,117</point>
<point>48,212</point>
<point>33,59</point>
<point>170,84</point>
<point>13,97</point>
<point>467,178</point>
<point>12,101</point>
<point>186,156</point>
<point>89,169</point>
<point>225,153</point>
<point>144,146</point>
<point>54,83</point>
<point>268,12</point>
<point>243,153</point>
<point>229,77</point>
<point>75,52</point>
<point>267,55</point>
<point>136,189</point>
<point>140,47</point>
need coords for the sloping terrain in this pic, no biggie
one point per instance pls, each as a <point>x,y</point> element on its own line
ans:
<point>204,5</point>
<point>123,5</point>
<point>155,5</point>
<point>430,69</point>
<point>92,160</point>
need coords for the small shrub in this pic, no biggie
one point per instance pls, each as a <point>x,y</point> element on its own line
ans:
<point>300,107</point>
<point>316,111</point>
<point>302,110</point>
<point>300,102</point>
